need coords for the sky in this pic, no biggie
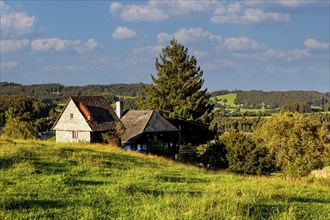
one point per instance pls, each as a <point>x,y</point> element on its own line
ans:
<point>247,45</point>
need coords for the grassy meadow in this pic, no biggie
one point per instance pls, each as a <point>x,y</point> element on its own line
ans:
<point>230,103</point>
<point>45,180</point>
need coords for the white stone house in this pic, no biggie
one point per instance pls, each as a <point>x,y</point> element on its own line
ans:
<point>84,119</point>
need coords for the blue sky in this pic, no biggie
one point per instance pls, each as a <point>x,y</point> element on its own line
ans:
<point>267,45</point>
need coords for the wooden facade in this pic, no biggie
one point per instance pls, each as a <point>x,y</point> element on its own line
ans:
<point>144,127</point>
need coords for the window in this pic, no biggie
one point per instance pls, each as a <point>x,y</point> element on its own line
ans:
<point>71,116</point>
<point>74,134</point>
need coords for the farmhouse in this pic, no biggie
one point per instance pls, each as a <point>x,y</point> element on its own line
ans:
<point>146,126</point>
<point>84,119</point>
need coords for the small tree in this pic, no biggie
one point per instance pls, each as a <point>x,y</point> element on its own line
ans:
<point>18,124</point>
<point>244,155</point>
<point>296,143</point>
<point>114,137</point>
<point>215,156</point>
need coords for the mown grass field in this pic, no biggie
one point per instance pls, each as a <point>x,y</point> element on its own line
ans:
<point>230,103</point>
<point>44,180</point>
<point>229,97</point>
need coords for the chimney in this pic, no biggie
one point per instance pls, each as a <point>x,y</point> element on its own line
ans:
<point>119,109</point>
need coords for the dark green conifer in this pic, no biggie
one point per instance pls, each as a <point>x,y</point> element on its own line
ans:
<point>177,91</point>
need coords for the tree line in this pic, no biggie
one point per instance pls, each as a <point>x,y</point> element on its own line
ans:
<point>60,93</point>
<point>276,99</point>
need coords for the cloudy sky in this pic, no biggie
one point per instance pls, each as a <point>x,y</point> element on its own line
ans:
<point>267,45</point>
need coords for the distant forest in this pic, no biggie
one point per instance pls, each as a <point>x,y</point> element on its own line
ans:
<point>276,99</point>
<point>61,93</point>
<point>58,93</point>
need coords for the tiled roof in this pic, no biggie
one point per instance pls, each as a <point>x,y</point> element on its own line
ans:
<point>97,112</point>
<point>138,122</point>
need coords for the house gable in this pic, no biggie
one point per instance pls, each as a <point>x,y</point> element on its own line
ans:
<point>71,119</point>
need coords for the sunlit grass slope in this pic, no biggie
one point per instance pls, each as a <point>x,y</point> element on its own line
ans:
<point>230,97</point>
<point>44,180</point>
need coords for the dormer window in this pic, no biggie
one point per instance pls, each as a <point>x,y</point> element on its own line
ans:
<point>71,116</point>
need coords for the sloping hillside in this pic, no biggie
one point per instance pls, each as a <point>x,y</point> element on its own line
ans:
<point>65,181</point>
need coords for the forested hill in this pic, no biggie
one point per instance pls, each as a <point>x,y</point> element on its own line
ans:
<point>61,93</point>
<point>275,99</point>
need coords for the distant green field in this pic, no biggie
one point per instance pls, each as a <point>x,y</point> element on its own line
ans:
<point>229,97</point>
<point>230,104</point>
<point>44,180</point>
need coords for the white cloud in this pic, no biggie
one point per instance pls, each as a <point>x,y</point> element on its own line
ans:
<point>53,45</point>
<point>242,43</point>
<point>184,7</point>
<point>272,54</point>
<point>15,24</point>
<point>158,10</point>
<point>89,46</point>
<point>219,64</point>
<point>9,65</point>
<point>144,12</point>
<point>233,13</point>
<point>198,35</point>
<point>123,33</point>
<point>292,3</point>
<point>193,35</point>
<point>13,45</point>
<point>315,44</point>
<point>115,7</point>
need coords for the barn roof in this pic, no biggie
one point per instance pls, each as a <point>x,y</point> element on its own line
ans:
<point>97,112</point>
<point>138,122</point>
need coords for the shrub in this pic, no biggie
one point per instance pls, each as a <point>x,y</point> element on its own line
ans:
<point>18,125</point>
<point>296,143</point>
<point>244,155</point>
<point>215,156</point>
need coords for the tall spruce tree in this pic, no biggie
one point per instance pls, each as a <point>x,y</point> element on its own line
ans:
<point>177,91</point>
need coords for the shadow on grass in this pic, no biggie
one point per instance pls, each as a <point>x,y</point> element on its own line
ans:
<point>90,182</point>
<point>179,179</point>
<point>6,163</point>
<point>263,211</point>
<point>50,167</point>
<point>29,204</point>
<point>309,200</point>
<point>134,189</point>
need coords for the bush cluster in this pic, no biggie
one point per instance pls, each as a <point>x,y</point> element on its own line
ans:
<point>291,143</point>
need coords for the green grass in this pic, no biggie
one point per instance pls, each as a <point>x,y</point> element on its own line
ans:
<point>230,99</point>
<point>230,104</point>
<point>44,180</point>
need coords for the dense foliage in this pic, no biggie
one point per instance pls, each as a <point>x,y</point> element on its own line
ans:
<point>221,123</point>
<point>177,92</point>
<point>295,142</point>
<point>300,107</point>
<point>244,155</point>
<point>18,124</point>
<point>276,99</point>
<point>41,112</point>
